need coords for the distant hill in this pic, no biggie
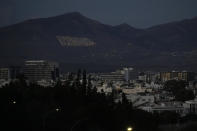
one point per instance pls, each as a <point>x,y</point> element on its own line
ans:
<point>77,41</point>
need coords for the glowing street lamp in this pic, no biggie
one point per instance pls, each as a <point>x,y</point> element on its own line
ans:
<point>129,129</point>
<point>57,109</point>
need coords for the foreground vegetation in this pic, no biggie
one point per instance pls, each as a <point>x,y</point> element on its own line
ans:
<point>73,105</point>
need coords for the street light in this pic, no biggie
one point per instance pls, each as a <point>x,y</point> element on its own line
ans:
<point>57,109</point>
<point>14,102</point>
<point>129,129</point>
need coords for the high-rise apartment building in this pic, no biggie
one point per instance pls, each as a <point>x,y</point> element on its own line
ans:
<point>127,73</point>
<point>177,75</point>
<point>15,72</point>
<point>37,70</point>
<point>4,74</point>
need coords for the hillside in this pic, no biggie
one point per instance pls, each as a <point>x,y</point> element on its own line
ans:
<point>73,39</point>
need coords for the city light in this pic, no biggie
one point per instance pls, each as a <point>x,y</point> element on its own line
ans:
<point>57,109</point>
<point>129,129</point>
<point>14,102</point>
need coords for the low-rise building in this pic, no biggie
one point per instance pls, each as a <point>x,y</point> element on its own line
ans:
<point>160,109</point>
<point>104,89</point>
<point>136,90</point>
<point>140,99</point>
<point>167,106</point>
<point>113,76</point>
<point>190,106</point>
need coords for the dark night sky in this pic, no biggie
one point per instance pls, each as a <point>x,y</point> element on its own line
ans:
<point>137,13</point>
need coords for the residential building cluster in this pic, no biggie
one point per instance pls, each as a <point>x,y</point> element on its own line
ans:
<point>42,72</point>
<point>144,89</point>
<point>177,75</point>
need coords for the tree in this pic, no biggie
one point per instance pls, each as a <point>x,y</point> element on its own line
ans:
<point>124,99</point>
<point>89,86</point>
<point>178,89</point>
<point>84,84</point>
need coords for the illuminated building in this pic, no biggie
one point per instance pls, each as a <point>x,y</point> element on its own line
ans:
<point>4,74</point>
<point>127,73</point>
<point>176,75</point>
<point>41,70</point>
<point>111,76</point>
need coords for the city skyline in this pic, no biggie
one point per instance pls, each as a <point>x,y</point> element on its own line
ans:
<point>87,65</point>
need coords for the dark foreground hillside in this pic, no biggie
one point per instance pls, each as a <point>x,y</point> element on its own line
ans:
<point>72,106</point>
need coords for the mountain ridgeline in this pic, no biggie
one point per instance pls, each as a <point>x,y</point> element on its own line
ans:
<point>77,41</point>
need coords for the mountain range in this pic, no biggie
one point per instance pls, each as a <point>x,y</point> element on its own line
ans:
<point>76,41</point>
